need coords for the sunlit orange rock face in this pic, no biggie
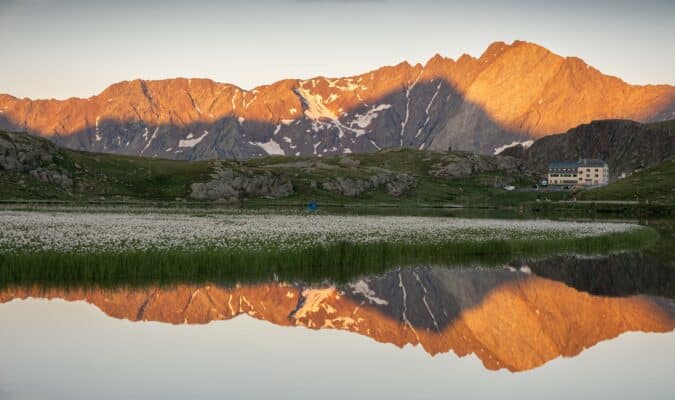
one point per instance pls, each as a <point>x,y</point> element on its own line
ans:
<point>511,92</point>
<point>527,88</point>
<point>508,319</point>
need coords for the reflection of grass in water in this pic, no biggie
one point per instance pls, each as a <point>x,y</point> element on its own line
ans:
<point>340,262</point>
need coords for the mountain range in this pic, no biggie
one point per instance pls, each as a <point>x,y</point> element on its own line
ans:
<point>512,93</point>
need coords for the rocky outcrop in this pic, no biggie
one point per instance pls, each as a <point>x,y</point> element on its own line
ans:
<point>625,145</point>
<point>508,318</point>
<point>462,165</point>
<point>21,153</point>
<point>348,162</point>
<point>55,176</point>
<point>394,184</point>
<point>229,185</point>
<point>510,93</point>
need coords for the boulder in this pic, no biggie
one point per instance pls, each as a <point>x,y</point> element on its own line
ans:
<point>349,162</point>
<point>21,152</point>
<point>462,165</point>
<point>229,185</point>
<point>56,177</point>
<point>394,184</point>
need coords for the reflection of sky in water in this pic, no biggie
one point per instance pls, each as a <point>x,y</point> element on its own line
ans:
<point>54,349</point>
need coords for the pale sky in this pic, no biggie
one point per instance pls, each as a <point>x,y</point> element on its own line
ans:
<point>60,49</point>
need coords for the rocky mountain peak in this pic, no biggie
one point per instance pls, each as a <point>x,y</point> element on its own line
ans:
<point>512,92</point>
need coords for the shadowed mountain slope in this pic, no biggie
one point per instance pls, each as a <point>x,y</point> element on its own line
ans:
<point>625,145</point>
<point>510,93</point>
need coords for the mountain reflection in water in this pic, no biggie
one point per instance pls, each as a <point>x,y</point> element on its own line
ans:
<point>509,317</point>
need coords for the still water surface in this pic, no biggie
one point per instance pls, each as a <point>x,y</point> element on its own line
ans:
<point>59,350</point>
<point>560,327</point>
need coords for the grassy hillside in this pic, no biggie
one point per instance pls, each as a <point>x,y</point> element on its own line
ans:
<point>106,177</point>
<point>655,184</point>
<point>479,188</point>
<point>112,178</point>
<point>440,178</point>
<point>669,124</point>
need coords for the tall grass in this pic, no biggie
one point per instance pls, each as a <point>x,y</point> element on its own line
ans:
<point>338,262</point>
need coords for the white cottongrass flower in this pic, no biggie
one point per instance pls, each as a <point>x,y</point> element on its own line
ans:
<point>89,232</point>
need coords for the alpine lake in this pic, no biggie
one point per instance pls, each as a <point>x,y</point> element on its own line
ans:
<point>137,303</point>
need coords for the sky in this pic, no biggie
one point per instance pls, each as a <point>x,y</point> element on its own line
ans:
<point>60,49</point>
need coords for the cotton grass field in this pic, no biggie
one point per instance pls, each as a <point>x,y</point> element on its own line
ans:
<point>115,247</point>
<point>115,232</point>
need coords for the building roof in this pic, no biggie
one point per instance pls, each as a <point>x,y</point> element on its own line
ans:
<point>592,162</point>
<point>584,162</point>
<point>563,165</point>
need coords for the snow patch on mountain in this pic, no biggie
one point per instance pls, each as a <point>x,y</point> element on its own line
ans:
<point>426,110</point>
<point>190,142</point>
<point>315,108</point>
<point>526,144</point>
<point>248,103</point>
<point>314,302</point>
<point>364,120</point>
<point>271,147</point>
<point>98,132</point>
<point>324,119</point>
<point>346,84</point>
<point>290,142</point>
<point>234,105</point>
<point>147,145</point>
<point>361,287</point>
<point>407,107</point>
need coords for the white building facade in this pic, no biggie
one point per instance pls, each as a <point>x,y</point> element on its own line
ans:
<point>585,172</point>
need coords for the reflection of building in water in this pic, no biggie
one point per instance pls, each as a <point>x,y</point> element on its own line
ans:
<point>585,172</point>
<point>509,318</point>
